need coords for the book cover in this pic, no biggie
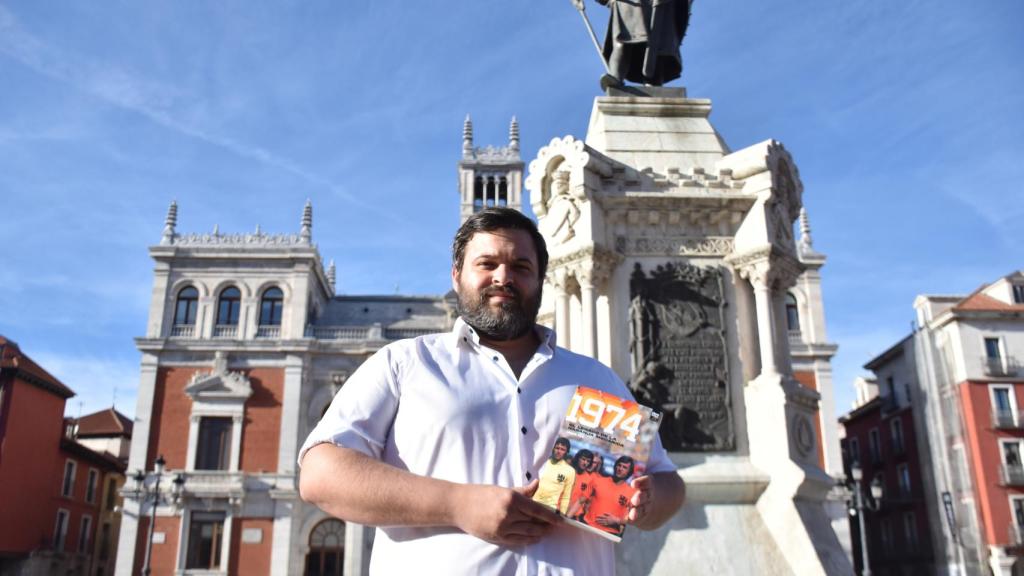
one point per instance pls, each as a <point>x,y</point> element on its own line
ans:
<point>603,443</point>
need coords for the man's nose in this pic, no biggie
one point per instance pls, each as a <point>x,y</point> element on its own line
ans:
<point>502,276</point>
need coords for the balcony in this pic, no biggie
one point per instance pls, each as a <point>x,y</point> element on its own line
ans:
<point>1013,475</point>
<point>183,331</point>
<point>225,332</point>
<point>1016,536</point>
<point>214,484</point>
<point>999,366</point>
<point>338,332</point>
<point>268,332</point>
<point>1006,419</point>
<point>373,332</point>
<point>400,333</point>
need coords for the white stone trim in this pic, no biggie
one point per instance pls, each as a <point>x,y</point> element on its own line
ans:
<point>290,415</point>
<point>1010,393</point>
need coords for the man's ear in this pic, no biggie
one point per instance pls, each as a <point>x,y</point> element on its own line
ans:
<point>455,279</point>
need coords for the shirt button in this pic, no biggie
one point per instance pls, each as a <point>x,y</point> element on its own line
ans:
<point>495,358</point>
<point>523,429</point>
<point>529,476</point>
<point>519,390</point>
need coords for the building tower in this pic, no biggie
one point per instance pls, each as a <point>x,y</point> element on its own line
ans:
<point>489,176</point>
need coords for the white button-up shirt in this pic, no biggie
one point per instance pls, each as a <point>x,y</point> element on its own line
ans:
<point>448,407</point>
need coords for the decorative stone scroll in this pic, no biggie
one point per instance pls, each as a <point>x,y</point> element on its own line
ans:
<point>678,347</point>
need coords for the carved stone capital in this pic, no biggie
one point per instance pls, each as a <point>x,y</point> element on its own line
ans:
<point>591,266</point>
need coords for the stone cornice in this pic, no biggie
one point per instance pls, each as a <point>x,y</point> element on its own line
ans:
<point>719,246</point>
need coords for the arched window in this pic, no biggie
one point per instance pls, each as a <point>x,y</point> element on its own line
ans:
<point>185,307</point>
<point>478,194</point>
<point>326,549</point>
<point>228,306</point>
<point>270,307</point>
<point>503,191</point>
<point>792,314</point>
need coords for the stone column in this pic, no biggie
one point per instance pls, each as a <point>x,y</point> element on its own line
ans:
<point>759,276</point>
<point>559,278</point>
<point>783,360</point>
<point>588,300</point>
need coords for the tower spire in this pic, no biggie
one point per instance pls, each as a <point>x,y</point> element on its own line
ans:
<point>805,229</point>
<point>513,135</point>
<point>306,234</point>
<point>332,276</point>
<point>170,223</point>
<point>467,137</point>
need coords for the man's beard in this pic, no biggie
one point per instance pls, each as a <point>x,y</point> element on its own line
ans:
<point>512,319</point>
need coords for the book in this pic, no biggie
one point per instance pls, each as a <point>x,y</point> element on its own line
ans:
<point>604,442</point>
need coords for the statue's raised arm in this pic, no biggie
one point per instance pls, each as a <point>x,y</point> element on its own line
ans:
<point>643,39</point>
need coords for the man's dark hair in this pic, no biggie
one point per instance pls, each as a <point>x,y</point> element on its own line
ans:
<point>564,442</point>
<point>626,460</point>
<point>583,453</point>
<point>492,220</point>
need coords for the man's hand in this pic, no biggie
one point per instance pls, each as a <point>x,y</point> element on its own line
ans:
<point>503,516</point>
<point>640,502</point>
<point>609,520</point>
<point>657,499</point>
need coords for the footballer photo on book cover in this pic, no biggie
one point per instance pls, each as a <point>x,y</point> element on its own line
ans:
<point>603,443</point>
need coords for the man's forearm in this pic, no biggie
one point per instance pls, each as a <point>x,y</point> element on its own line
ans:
<point>350,485</point>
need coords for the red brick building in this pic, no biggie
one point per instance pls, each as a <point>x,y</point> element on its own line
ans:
<point>56,491</point>
<point>881,439</point>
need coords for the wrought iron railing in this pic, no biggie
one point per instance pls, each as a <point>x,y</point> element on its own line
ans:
<point>1004,418</point>
<point>1013,475</point>
<point>1016,535</point>
<point>999,366</point>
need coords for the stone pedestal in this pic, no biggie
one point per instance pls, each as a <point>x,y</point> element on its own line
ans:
<point>689,247</point>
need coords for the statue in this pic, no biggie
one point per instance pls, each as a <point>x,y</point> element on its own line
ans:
<point>642,41</point>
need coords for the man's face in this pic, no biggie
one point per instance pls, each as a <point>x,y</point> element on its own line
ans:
<point>621,470</point>
<point>498,286</point>
<point>585,462</point>
<point>595,465</point>
<point>558,452</point>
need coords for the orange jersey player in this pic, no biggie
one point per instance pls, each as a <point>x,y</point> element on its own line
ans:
<point>610,503</point>
<point>583,489</point>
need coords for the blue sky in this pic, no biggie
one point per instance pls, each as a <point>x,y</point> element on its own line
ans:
<point>904,119</point>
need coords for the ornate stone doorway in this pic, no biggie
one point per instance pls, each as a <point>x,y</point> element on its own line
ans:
<point>326,555</point>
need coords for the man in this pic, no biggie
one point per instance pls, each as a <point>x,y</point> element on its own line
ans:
<point>609,508</point>
<point>556,478</point>
<point>642,41</point>
<point>583,488</point>
<point>437,440</point>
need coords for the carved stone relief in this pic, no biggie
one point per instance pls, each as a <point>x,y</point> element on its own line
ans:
<point>679,353</point>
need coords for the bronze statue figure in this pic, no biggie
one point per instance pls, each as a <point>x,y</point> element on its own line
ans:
<point>642,41</point>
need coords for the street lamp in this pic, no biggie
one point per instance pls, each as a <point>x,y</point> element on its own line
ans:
<point>152,496</point>
<point>861,503</point>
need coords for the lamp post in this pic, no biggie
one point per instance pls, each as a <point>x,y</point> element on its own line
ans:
<point>152,496</point>
<point>859,504</point>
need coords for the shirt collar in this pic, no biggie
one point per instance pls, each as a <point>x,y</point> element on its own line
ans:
<point>464,334</point>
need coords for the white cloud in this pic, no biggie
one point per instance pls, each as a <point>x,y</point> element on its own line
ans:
<point>153,101</point>
<point>95,380</point>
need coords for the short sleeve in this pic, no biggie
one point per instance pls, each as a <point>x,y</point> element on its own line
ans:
<point>659,460</point>
<point>361,414</point>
